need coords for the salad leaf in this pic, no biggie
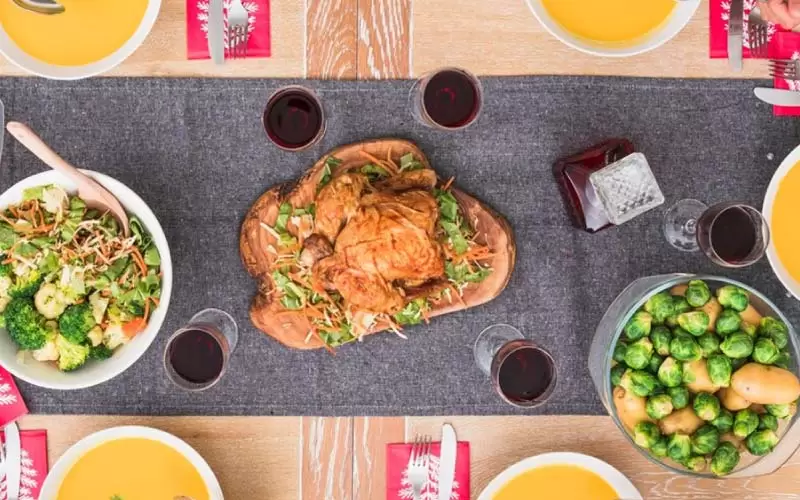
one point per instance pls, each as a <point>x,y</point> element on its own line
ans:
<point>143,239</point>
<point>412,312</point>
<point>338,337</point>
<point>448,205</point>
<point>25,249</point>
<point>116,268</point>
<point>284,212</point>
<point>34,193</point>
<point>453,231</point>
<point>152,257</point>
<point>408,163</point>
<point>49,263</point>
<point>330,163</point>
<point>294,296</point>
<point>461,273</point>
<point>7,237</point>
<point>374,172</point>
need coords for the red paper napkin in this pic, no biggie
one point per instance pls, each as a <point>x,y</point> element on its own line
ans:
<point>398,486</point>
<point>785,45</point>
<point>34,464</point>
<point>11,404</point>
<point>258,43</point>
<point>719,14</point>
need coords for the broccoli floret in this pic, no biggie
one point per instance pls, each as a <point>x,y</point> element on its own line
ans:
<point>27,284</point>
<point>25,325</point>
<point>100,352</point>
<point>71,356</point>
<point>6,270</point>
<point>76,322</point>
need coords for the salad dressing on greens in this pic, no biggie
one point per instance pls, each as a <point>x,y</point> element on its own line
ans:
<point>72,286</point>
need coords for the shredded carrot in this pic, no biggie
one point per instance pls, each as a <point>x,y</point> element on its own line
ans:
<point>389,159</point>
<point>392,169</point>
<point>137,257</point>
<point>324,344</point>
<point>133,327</point>
<point>155,300</point>
<point>448,184</point>
<point>458,295</point>
<point>8,261</point>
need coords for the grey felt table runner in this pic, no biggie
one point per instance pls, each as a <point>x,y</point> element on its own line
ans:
<point>196,152</point>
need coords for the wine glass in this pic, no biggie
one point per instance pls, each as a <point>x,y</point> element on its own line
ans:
<point>731,234</point>
<point>447,99</point>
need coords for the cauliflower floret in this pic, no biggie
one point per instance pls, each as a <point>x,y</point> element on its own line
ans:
<point>95,335</point>
<point>99,305</point>
<point>55,199</point>
<point>50,301</point>
<point>47,353</point>
<point>5,285</point>
<point>114,337</point>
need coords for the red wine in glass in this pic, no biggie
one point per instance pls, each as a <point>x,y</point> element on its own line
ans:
<point>450,99</point>
<point>294,118</point>
<point>523,373</point>
<point>732,234</point>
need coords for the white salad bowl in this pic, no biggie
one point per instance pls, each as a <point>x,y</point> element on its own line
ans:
<point>27,62</point>
<point>59,471</point>
<point>788,163</point>
<point>46,374</point>
<point>680,17</point>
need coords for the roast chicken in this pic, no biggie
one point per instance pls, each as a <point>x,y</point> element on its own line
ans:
<point>373,242</point>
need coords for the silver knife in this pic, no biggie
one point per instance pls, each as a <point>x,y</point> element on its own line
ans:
<point>778,97</point>
<point>735,34</point>
<point>216,28</point>
<point>447,462</point>
<point>13,458</point>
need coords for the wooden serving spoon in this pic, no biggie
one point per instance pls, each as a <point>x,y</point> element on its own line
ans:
<point>90,191</point>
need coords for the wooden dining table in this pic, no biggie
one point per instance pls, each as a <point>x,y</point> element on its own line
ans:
<point>343,458</point>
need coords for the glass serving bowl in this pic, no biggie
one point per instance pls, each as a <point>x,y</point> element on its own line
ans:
<point>610,329</point>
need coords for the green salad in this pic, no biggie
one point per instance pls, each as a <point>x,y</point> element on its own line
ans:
<point>72,286</point>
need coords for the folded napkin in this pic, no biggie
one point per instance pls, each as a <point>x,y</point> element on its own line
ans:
<point>398,487</point>
<point>785,45</point>
<point>258,43</point>
<point>719,14</point>
<point>33,464</point>
<point>11,404</point>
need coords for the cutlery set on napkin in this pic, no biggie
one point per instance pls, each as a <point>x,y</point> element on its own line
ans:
<point>227,29</point>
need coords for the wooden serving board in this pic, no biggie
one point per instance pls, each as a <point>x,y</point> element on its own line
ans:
<point>291,328</point>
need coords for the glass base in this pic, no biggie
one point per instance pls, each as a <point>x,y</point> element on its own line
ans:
<point>680,224</point>
<point>490,341</point>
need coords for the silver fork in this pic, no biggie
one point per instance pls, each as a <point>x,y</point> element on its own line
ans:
<point>238,24</point>
<point>788,69</point>
<point>757,34</point>
<point>418,464</point>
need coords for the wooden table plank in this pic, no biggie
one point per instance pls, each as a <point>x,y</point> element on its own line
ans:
<point>332,39</point>
<point>326,469</point>
<point>504,38</point>
<point>384,31</point>
<point>253,457</point>
<point>370,436</point>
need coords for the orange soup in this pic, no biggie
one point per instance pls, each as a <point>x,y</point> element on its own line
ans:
<point>784,223</point>
<point>557,482</point>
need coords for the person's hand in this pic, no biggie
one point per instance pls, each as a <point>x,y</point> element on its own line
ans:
<point>783,12</point>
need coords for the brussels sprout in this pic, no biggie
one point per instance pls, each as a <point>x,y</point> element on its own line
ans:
<point>737,345</point>
<point>728,321</point>
<point>697,293</point>
<point>655,363</point>
<point>679,396</point>
<point>774,330</point>
<point>660,306</point>
<point>705,440</point>
<point>745,422</point>
<point>679,447</point>
<point>783,360</point>
<point>659,449</point>
<point>738,363</point>
<point>616,374</point>
<point>733,297</point>
<point>765,351</point>
<point>696,463</point>
<point>768,421</point>
<point>725,459</point>
<point>709,344</point>
<point>684,348</point>
<point>659,406</point>
<point>670,373</point>
<point>638,326</point>
<point>646,434</point>
<point>724,422</point>
<point>719,369</point>
<point>619,352</point>
<point>679,306</point>
<point>706,406</point>
<point>660,336</point>
<point>639,382</point>
<point>761,442</point>
<point>694,322</point>
<point>781,411</point>
<point>748,329</point>
<point>637,355</point>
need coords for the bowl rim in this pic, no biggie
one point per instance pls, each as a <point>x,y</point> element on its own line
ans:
<point>65,462</point>
<point>607,386</point>
<point>616,479</point>
<point>153,327</point>
<point>791,161</point>
<point>26,62</point>
<point>681,15</point>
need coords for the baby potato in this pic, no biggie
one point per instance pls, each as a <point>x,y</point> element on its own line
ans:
<point>731,400</point>
<point>750,315</point>
<point>630,408</point>
<point>765,384</point>
<point>713,309</point>
<point>702,382</point>
<point>679,290</point>
<point>684,421</point>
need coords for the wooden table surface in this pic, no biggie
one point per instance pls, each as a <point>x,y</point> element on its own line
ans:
<point>312,458</point>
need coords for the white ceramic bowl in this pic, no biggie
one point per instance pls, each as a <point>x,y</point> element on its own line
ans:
<point>59,471</point>
<point>788,163</point>
<point>25,61</point>
<point>624,488</point>
<point>680,17</point>
<point>45,374</point>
